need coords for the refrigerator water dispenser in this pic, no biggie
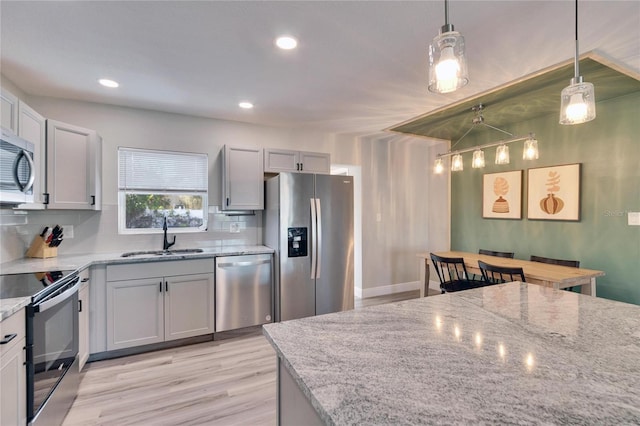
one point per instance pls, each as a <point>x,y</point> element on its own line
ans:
<point>297,242</point>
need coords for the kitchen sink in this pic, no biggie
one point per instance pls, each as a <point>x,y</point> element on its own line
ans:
<point>160,252</point>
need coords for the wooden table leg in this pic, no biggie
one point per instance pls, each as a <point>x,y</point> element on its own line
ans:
<point>427,272</point>
<point>589,287</point>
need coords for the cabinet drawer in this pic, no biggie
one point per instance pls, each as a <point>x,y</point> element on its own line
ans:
<point>15,324</point>
<point>168,268</point>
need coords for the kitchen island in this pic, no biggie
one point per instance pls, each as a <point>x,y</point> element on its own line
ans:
<point>511,353</point>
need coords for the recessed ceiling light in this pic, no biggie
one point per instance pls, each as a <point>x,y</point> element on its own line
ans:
<point>108,83</point>
<point>286,42</point>
<point>245,105</point>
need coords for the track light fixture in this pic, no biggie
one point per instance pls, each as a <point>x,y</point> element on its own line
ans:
<point>502,153</point>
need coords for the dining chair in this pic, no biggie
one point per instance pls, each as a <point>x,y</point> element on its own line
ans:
<point>496,253</point>
<point>493,274</point>
<point>453,274</point>
<point>562,262</point>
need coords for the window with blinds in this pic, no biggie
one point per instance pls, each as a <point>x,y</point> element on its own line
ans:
<point>153,185</point>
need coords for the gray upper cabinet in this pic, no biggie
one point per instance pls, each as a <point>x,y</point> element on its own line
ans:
<point>9,110</point>
<point>242,178</point>
<point>73,167</point>
<point>32,127</point>
<point>281,160</point>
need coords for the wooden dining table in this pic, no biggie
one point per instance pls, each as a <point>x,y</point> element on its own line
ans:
<point>545,274</point>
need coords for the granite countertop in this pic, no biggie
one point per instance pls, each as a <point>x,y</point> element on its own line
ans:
<point>512,353</point>
<point>79,262</point>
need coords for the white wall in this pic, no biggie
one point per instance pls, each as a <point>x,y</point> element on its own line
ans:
<point>395,172</point>
<point>405,209</point>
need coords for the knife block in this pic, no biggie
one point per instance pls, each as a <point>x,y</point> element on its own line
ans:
<point>40,249</point>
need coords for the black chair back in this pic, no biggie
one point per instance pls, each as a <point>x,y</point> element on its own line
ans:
<point>493,274</point>
<point>562,262</point>
<point>496,253</point>
<point>453,274</point>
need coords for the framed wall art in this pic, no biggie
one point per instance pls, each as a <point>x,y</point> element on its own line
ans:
<point>502,195</point>
<point>554,193</point>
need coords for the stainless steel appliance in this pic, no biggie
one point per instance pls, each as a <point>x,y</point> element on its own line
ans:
<point>17,172</point>
<point>51,341</point>
<point>243,291</point>
<point>309,222</point>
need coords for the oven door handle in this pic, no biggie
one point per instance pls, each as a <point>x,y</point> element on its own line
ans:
<point>50,303</point>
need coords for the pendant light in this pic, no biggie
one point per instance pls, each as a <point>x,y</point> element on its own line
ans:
<point>456,163</point>
<point>438,168</point>
<point>477,161</point>
<point>502,154</point>
<point>447,62</point>
<point>578,102</point>
<point>530,151</point>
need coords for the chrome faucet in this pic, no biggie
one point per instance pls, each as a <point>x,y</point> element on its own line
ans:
<point>166,244</point>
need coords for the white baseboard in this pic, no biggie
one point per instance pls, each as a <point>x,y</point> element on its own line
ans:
<point>357,292</point>
<point>387,289</point>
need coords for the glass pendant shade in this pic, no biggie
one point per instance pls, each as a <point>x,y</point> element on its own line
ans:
<point>438,168</point>
<point>578,103</point>
<point>530,151</point>
<point>578,100</point>
<point>478,159</point>
<point>456,163</point>
<point>502,154</point>
<point>447,62</point>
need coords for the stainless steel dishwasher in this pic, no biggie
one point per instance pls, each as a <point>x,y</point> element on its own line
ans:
<point>244,291</point>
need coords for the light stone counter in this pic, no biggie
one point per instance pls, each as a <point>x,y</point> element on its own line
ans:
<point>509,354</point>
<point>80,262</point>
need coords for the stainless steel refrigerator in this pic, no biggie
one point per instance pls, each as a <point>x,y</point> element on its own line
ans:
<point>309,222</point>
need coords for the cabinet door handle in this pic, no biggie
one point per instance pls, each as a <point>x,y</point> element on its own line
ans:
<point>160,286</point>
<point>93,200</point>
<point>166,286</point>
<point>227,201</point>
<point>8,338</point>
<point>301,166</point>
<point>46,197</point>
<point>79,305</point>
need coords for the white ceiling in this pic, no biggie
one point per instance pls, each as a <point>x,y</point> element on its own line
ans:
<point>360,65</point>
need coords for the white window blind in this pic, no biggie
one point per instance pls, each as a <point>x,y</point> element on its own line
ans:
<point>166,171</point>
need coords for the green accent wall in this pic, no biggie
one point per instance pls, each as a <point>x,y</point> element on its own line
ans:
<point>609,150</point>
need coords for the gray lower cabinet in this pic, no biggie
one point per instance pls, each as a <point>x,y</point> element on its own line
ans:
<point>143,310</point>
<point>83,321</point>
<point>13,371</point>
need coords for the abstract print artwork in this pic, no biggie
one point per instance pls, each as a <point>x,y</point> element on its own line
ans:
<point>502,195</point>
<point>554,193</point>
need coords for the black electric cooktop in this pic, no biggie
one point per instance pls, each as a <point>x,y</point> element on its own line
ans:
<point>26,285</point>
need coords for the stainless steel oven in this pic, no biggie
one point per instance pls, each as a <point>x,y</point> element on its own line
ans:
<point>52,351</point>
<point>51,341</point>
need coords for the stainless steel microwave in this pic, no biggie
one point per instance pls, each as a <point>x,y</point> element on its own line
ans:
<point>17,172</point>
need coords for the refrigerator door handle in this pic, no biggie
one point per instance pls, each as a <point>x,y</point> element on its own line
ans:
<point>312,202</point>
<point>319,238</point>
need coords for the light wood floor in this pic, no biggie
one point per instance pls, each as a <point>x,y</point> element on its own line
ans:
<point>228,382</point>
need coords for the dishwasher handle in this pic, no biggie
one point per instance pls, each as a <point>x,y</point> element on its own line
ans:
<point>248,263</point>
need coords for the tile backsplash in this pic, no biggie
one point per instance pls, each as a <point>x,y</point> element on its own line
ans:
<point>95,232</point>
